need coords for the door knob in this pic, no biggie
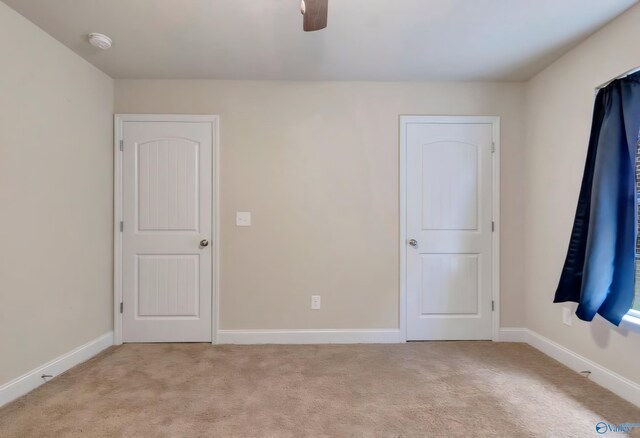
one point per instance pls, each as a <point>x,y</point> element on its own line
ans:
<point>204,243</point>
<point>413,242</point>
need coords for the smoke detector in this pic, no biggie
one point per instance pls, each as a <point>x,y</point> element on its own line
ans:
<point>100,41</point>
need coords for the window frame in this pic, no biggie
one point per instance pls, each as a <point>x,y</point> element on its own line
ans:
<point>631,320</point>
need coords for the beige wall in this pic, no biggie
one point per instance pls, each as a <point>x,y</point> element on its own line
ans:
<point>559,105</point>
<point>317,164</point>
<point>56,197</point>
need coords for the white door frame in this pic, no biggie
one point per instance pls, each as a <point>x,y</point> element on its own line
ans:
<point>119,120</point>
<point>495,195</point>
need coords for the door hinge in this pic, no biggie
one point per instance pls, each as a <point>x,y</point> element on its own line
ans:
<point>493,306</point>
<point>121,306</point>
<point>121,144</point>
<point>493,147</point>
<point>121,226</point>
<point>493,226</point>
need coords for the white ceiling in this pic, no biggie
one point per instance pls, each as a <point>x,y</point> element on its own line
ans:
<point>365,39</point>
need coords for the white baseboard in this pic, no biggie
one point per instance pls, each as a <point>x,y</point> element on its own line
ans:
<point>614,382</point>
<point>378,336</point>
<point>512,334</point>
<point>31,380</point>
<point>604,377</point>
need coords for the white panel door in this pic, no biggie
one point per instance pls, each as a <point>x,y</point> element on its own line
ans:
<point>449,231</point>
<point>166,239</point>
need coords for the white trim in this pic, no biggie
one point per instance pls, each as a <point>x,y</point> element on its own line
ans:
<point>604,377</point>
<point>634,313</point>
<point>631,321</point>
<point>31,380</point>
<point>356,336</point>
<point>403,229</point>
<point>119,119</point>
<point>512,334</point>
<point>117,236</point>
<point>495,240</point>
<point>495,196</point>
<point>215,300</point>
<point>195,118</point>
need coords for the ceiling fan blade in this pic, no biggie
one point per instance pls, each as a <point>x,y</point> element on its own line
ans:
<point>315,16</point>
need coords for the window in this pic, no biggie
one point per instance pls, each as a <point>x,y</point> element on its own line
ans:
<point>632,319</point>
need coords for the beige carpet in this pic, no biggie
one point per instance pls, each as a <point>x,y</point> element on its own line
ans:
<point>415,389</point>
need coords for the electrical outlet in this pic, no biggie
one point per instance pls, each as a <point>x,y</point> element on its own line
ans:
<point>243,218</point>
<point>567,317</point>
<point>315,302</point>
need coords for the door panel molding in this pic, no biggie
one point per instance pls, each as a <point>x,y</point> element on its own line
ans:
<point>119,120</point>
<point>406,120</point>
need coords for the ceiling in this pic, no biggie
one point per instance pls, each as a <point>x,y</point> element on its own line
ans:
<point>365,39</point>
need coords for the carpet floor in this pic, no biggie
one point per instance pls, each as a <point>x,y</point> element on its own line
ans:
<point>398,390</point>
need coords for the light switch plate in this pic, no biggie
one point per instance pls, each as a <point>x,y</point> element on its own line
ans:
<point>243,218</point>
<point>315,302</point>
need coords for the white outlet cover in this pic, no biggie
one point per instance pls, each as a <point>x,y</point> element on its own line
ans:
<point>243,218</point>
<point>567,317</point>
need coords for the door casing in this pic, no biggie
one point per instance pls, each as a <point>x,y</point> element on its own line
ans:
<point>119,120</point>
<point>495,191</point>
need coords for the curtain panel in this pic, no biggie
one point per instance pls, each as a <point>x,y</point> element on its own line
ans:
<point>598,271</point>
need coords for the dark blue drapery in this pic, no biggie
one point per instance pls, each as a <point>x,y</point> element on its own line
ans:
<point>598,272</point>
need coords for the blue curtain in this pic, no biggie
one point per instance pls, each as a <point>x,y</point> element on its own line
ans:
<point>598,272</point>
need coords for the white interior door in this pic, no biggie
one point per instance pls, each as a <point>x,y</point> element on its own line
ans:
<point>449,229</point>
<point>166,235</point>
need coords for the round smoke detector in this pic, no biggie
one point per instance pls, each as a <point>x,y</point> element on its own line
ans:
<point>100,41</point>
